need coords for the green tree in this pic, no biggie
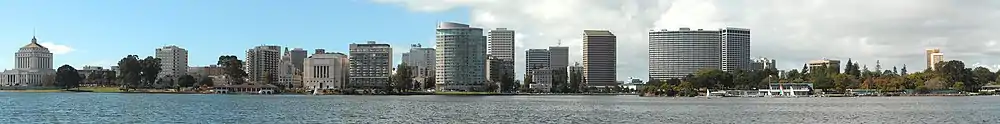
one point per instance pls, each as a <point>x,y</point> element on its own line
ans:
<point>958,86</point>
<point>559,84</point>
<point>429,82</point>
<point>67,77</point>
<point>206,81</point>
<point>526,83</point>
<point>507,83</point>
<point>712,78</point>
<point>187,81</point>
<point>403,77</point>
<point>981,76</point>
<point>233,69</point>
<point>576,81</point>
<point>131,70</point>
<point>150,70</point>
<point>902,72</point>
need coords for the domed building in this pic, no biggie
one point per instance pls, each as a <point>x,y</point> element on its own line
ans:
<point>33,67</point>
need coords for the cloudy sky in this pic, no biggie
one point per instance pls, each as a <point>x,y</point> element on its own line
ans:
<point>893,32</point>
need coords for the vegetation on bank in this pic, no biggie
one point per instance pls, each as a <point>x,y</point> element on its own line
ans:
<point>948,75</point>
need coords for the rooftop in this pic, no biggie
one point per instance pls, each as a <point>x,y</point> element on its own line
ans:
<point>597,33</point>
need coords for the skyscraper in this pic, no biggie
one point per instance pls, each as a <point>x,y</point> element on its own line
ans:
<point>599,58</point>
<point>558,57</point>
<point>735,49</point>
<point>371,65</point>
<point>501,43</point>
<point>298,55</point>
<point>675,54</point>
<point>173,61</point>
<point>262,62</point>
<point>288,74</point>
<point>461,57</point>
<point>930,56</point>
<point>501,54</point>
<point>537,59</point>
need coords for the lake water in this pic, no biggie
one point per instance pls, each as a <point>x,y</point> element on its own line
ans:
<point>193,108</point>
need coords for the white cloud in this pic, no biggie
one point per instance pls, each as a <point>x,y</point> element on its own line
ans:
<point>57,49</point>
<point>894,32</point>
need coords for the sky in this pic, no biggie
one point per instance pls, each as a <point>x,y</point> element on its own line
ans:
<point>893,33</point>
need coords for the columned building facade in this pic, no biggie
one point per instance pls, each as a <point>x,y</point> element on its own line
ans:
<point>33,67</point>
<point>326,71</point>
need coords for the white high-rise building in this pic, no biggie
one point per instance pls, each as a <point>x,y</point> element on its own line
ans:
<point>735,49</point>
<point>500,50</point>
<point>599,58</point>
<point>326,71</point>
<point>34,67</point>
<point>501,43</point>
<point>371,65</point>
<point>461,58</point>
<point>677,53</point>
<point>173,61</point>
<point>261,62</point>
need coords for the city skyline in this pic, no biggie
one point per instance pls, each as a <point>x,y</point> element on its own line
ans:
<point>79,33</point>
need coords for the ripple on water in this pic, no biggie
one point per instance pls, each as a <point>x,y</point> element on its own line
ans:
<point>187,108</point>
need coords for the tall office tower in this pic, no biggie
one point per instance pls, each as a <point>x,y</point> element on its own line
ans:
<point>501,51</point>
<point>675,54</point>
<point>461,57</point>
<point>599,58</point>
<point>537,59</point>
<point>735,49</point>
<point>501,43</point>
<point>173,61</point>
<point>935,59</point>
<point>558,57</point>
<point>298,56</point>
<point>929,55</point>
<point>371,65</point>
<point>288,74</point>
<point>262,61</point>
<point>326,71</point>
<point>421,61</point>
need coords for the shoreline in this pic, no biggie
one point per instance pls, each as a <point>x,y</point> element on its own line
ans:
<point>474,94</point>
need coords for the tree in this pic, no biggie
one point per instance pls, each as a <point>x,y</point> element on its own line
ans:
<point>576,81</point>
<point>233,69</point>
<point>130,69</point>
<point>559,84</point>
<point>960,86</point>
<point>67,77</point>
<point>526,83</point>
<point>187,81</point>
<point>403,77</point>
<point>805,69</point>
<point>150,70</point>
<point>981,76</point>
<point>507,83</point>
<point>902,72</point>
<point>206,81</point>
<point>429,82</point>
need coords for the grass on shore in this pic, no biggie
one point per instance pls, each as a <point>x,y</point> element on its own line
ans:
<point>465,93</point>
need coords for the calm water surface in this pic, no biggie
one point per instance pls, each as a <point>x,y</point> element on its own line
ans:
<point>177,108</point>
